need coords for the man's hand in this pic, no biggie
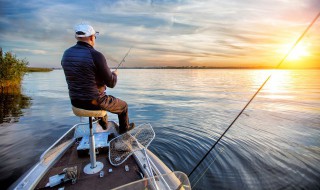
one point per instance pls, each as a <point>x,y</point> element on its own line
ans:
<point>115,72</point>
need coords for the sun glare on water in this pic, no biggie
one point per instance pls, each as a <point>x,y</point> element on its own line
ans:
<point>277,86</point>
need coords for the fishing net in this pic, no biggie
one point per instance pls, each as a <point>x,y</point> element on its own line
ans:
<point>124,145</point>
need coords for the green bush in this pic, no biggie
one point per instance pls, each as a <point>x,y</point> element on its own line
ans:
<point>12,70</point>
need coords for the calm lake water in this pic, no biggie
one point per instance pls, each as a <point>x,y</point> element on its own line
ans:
<point>275,144</point>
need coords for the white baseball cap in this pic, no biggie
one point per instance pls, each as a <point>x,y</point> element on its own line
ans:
<point>84,30</point>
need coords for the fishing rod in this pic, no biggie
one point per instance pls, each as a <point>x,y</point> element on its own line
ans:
<point>123,59</point>
<point>282,60</point>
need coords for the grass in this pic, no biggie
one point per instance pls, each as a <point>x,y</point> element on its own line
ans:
<point>38,69</point>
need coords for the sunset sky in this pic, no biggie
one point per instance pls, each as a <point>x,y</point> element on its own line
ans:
<point>166,33</point>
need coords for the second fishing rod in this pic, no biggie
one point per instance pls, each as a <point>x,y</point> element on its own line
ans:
<point>123,59</point>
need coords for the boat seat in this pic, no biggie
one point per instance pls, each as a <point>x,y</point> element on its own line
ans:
<point>94,166</point>
<point>88,113</point>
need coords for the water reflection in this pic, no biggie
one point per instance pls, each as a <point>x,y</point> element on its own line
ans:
<point>11,105</point>
<point>274,144</point>
<point>278,86</point>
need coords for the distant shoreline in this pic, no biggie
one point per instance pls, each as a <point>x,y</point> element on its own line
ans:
<point>199,67</point>
<point>216,68</point>
<point>39,69</point>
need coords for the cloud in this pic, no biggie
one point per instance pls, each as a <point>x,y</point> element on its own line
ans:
<point>191,32</point>
<point>32,51</point>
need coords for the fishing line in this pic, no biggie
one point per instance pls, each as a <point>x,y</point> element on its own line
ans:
<point>283,59</point>
<point>123,59</point>
<point>208,167</point>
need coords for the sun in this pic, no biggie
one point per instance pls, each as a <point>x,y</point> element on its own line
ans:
<point>298,53</point>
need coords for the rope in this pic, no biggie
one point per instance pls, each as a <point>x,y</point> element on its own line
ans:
<point>295,44</point>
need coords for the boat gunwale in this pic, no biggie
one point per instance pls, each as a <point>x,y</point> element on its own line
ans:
<point>22,182</point>
<point>42,157</point>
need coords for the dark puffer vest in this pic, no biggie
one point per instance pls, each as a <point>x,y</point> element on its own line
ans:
<point>87,73</point>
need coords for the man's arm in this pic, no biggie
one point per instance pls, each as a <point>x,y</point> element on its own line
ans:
<point>104,72</point>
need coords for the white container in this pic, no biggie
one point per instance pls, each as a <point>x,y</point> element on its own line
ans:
<point>56,180</point>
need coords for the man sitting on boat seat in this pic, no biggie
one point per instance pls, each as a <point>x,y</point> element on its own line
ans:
<point>88,75</point>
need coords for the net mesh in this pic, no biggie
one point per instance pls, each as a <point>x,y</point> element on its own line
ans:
<point>124,145</point>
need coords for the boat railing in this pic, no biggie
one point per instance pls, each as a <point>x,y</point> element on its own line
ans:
<point>176,180</point>
<point>59,144</point>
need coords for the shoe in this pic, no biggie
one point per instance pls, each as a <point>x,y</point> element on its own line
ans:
<point>131,126</point>
<point>103,123</point>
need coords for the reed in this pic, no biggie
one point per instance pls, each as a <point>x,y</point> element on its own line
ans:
<point>12,71</point>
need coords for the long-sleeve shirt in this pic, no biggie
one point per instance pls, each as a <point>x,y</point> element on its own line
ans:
<point>87,75</point>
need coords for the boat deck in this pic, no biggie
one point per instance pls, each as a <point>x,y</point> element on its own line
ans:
<point>116,178</point>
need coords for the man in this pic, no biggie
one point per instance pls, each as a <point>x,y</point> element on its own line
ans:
<point>88,76</point>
